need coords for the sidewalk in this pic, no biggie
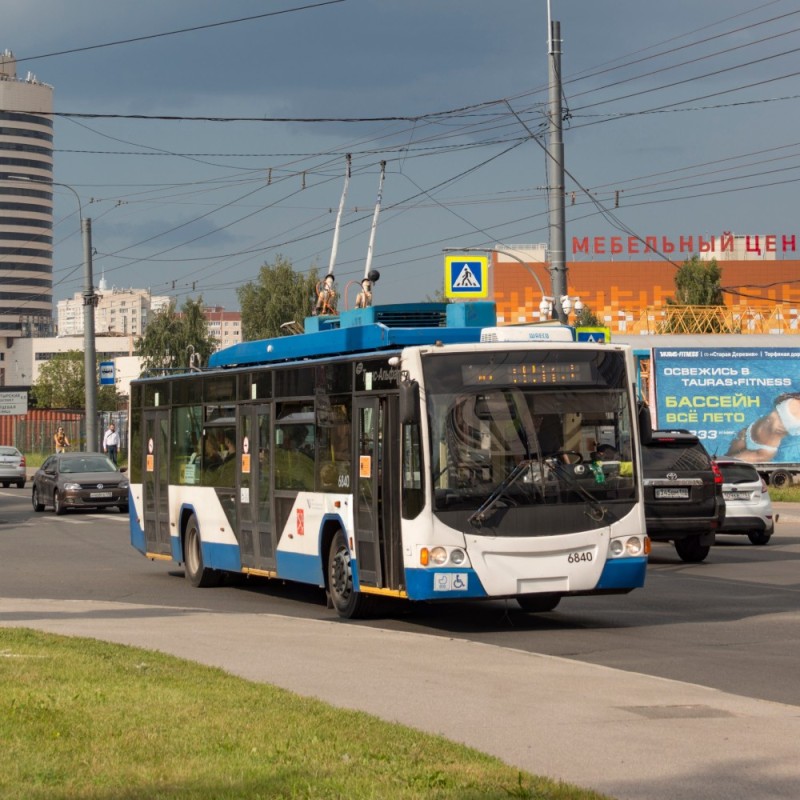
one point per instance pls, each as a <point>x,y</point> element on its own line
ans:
<point>632,736</point>
<point>788,512</point>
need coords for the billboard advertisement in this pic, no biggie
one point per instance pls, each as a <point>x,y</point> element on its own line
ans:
<point>742,402</point>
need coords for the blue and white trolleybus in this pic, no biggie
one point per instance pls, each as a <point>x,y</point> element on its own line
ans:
<point>406,451</point>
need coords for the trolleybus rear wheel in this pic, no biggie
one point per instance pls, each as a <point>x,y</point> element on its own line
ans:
<point>347,602</point>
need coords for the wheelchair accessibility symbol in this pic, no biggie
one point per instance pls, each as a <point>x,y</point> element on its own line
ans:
<point>450,582</point>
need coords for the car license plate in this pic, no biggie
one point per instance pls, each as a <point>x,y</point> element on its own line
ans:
<point>736,495</point>
<point>678,493</point>
<point>100,494</point>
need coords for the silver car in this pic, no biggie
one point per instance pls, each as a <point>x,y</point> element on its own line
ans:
<point>12,467</point>
<point>747,501</point>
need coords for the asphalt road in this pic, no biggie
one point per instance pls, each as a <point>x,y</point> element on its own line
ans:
<point>681,714</point>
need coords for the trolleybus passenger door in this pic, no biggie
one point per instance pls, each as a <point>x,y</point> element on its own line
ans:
<point>252,488</point>
<point>155,482</point>
<point>376,511</point>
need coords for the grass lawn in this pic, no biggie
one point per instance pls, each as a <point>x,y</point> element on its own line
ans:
<point>95,721</point>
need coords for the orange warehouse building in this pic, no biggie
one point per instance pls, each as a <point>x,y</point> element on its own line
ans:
<point>628,295</point>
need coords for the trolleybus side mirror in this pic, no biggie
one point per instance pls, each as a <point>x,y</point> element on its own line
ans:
<point>409,402</point>
<point>645,424</point>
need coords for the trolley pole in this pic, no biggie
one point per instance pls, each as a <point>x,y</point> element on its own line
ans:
<point>555,174</point>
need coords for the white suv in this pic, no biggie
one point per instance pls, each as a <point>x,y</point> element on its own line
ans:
<point>747,501</point>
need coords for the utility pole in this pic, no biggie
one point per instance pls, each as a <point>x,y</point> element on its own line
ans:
<point>555,172</point>
<point>89,359</point>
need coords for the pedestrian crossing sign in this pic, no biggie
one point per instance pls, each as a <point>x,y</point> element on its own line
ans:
<point>596,335</point>
<point>466,276</point>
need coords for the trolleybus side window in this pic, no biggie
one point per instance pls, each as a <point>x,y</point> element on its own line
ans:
<point>135,458</point>
<point>333,443</point>
<point>187,430</point>
<point>413,498</point>
<point>294,446</point>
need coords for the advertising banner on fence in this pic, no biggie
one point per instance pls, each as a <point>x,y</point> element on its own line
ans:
<point>741,402</point>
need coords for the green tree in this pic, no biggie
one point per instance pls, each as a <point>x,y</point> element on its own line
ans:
<point>171,337</point>
<point>280,294</point>
<point>698,283</point>
<point>61,384</point>
<point>698,295</point>
<point>588,319</point>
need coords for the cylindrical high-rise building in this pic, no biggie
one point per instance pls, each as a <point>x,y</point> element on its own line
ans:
<point>26,203</point>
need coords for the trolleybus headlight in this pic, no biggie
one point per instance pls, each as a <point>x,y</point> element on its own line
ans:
<point>634,546</point>
<point>616,547</point>
<point>458,557</point>
<point>438,556</point>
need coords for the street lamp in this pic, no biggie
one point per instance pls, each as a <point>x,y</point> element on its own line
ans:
<point>89,303</point>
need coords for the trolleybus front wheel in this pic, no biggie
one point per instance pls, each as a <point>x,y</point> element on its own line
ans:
<point>347,602</point>
<point>196,572</point>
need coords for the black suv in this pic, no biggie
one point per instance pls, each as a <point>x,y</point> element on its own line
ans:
<point>682,493</point>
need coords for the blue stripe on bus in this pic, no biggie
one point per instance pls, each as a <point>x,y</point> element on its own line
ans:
<point>299,567</point>
<point>420,584</point>
<point>623,573</point>
<point>221,556</point>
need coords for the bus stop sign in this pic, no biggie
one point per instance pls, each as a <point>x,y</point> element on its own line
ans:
<point>106,373</point>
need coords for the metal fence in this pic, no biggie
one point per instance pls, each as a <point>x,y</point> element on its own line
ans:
<point>33,433</point>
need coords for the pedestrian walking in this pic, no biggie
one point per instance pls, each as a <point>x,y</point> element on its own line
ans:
<point>111,442</point>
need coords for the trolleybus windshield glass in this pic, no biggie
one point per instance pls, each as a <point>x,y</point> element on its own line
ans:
<point>549,411</point>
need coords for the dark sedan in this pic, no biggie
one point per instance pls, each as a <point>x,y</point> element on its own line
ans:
<point>79,480</point>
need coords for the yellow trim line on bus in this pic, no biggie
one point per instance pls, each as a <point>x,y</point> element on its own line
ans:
<point>263,573</point>
<point>385,592</point>
<point>158,557</point>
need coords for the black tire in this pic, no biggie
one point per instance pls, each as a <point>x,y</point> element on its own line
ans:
<point>58,505</point>
<point>759,538</point>
<point>691,551</point>
<point>348,603</point>
<point>124,508</point>
<point>5,484</point>
<point>20,484</point>
<point>538,603</point>
<point>195,571</point>
<point>780,479</point>
<point>37,505</point>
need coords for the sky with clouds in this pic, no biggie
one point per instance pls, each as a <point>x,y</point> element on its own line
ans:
<point>681,119</point>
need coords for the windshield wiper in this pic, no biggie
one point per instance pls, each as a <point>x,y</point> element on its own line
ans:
<point>479,517</point>
<point>598,511</point>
